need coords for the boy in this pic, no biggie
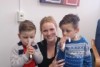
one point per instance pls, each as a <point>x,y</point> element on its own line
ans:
<point>77,51</point>
<point>26,53</point>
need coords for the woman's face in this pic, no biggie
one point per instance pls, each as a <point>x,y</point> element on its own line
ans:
<point>49,31</point>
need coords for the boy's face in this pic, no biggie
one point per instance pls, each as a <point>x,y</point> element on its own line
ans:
<point>25,36</point>
<point>69,31</point>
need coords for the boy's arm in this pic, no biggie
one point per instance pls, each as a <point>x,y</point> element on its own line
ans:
<point>37,56</point>
<point>60,55</point>
<point>16,59</point>
<point>87,57</point>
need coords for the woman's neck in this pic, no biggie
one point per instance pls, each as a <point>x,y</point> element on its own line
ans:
<point>51,48</point>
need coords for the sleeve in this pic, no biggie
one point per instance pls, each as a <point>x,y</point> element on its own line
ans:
<point>37,55</point>
<point>87,56</point>
<point>17,60</point>
<point>60,53</point>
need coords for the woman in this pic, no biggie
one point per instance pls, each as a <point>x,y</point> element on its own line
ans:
<point>48,46</point>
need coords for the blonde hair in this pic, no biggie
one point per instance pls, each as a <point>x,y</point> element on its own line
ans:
<point>48,19</point>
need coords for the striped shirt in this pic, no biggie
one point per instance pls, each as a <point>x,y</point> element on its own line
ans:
<point>76,54</point>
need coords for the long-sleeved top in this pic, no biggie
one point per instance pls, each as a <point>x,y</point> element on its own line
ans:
<point>76,54</point>
<point>18,58</point>
<point>43,48</point>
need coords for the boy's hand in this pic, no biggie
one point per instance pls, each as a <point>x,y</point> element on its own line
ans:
<point>30,50</point>
<point>62,42</point>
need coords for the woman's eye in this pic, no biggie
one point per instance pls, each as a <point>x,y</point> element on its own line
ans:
<point>51,29</point>
<point>45,31</point>
<point>25,37</point>
<point>32,37</point>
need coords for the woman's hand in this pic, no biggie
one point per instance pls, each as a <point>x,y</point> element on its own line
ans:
<point>56,63</point>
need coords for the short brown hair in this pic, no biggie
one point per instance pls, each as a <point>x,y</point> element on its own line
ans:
<point>26,25</point>
<point>46,20</point>
<point>70,18</point>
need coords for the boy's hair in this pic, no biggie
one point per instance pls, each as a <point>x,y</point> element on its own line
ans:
<point>70,18</point>
<point>26,25</point>
<point>47,19</point>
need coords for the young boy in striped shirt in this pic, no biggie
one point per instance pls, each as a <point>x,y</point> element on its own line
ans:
<point>73,48</point>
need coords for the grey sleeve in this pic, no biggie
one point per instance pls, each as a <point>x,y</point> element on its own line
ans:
<point>17,60</point>
<point>37,55</point>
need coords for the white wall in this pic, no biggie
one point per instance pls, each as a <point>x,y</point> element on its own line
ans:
<point>88,10</point>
